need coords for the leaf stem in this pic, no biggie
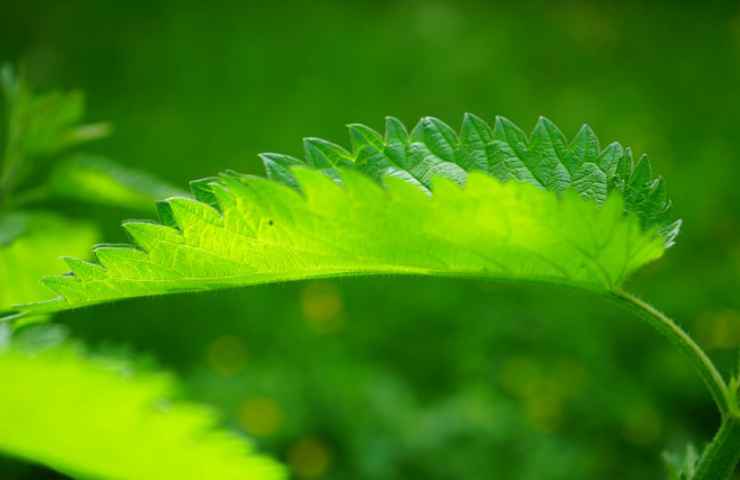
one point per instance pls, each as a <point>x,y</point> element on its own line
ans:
<point>678,336</point>
<point>720,458</point>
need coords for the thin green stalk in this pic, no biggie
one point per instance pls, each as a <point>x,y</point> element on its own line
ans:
<point>678,336</point>
<point>720,459</point>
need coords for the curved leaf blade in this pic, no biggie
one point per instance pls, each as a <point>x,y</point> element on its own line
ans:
<point>428,215</point>
<point>267,232</point>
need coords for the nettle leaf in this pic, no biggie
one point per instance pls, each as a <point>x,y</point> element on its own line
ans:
<point>44,124</point>
<point>100,418</point>
<point>31,245</point>
<point>39,126</point>
<point>97,179</point>
<point>489,203</point>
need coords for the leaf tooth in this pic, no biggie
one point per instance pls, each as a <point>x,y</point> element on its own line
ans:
<point>234,219</point>
<point>641,174</point>
<point>188,213</point>
<point>622,171</point>
<point>439,137</point>
<point>120,260</point>
<point>395,131</point>
<point>671,231</point>
<point>548,158</point>
<point>584,147</point>
<point>277,167</point>
<point>233,174</point>
<point>424,165</point>
<point>509,133</point>
<point>609,159</point>
<point>85,270</point>
<point>224,197</point>
<point>166,217</point>
<point>591,183</point>
<point>628,165</point>
<point>322,153</point>
<point>261,200</point>
<point>475,131</point>
<point>361,136</point>
<point>396,141</point>
<point>201,189</point>
<point>67,286</point>
<point>657,203</point>
<point>475,135</point>
<point>149,235</point>
<point>263,191</point>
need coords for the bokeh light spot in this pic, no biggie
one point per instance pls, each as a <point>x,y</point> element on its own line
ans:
<point>261,416</point>
<point>309,458</point>
<point>322,307</point>
<point>226,355</point>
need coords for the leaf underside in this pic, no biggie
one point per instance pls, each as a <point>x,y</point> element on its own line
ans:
<point>100,420</point>
<point>488,202</point>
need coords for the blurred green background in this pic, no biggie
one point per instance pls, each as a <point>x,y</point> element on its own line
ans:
<point>397,378</point>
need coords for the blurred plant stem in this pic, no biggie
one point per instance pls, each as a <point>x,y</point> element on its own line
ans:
<point>721,456</point>
<point>12,155</point>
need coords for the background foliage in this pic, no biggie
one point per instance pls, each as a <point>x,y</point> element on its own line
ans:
<point>418,378</point>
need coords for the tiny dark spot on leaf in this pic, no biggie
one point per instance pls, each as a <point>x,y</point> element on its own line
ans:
<point>270,222</point>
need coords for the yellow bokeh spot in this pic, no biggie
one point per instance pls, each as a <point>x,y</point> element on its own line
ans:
<point>261,416</point>
<point>719,329</point>
<point>322,307</point>
<point>643,426</point>
<point>309,458</point>
<point>545,414</point>
<point>226,355</point>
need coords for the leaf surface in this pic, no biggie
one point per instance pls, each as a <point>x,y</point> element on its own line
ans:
<point>488,203</point>
<point>99,418</point>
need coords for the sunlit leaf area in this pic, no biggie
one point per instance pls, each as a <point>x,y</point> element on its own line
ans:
<point>369,240</point>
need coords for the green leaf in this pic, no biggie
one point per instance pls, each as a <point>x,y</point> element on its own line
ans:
<point>100,418</point>
<point>31,245</point>
<point>681,466</point>
<point>99,180</point>
<point>39,125</point>
<point>426,216</point>
<point>46,123</point>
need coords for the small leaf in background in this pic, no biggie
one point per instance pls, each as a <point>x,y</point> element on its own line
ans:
<point>39,125</point>
<point>97,179</point>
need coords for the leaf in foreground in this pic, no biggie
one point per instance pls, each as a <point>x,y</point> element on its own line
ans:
<point>96,418</point>
<point>533,209</point>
